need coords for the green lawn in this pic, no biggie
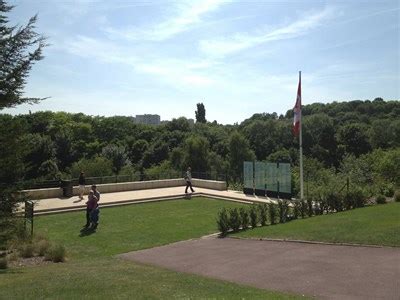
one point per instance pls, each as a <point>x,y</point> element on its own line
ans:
<point>373,225</point>
<point>93,271</point>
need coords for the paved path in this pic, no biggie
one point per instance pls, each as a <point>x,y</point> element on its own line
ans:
<point>52,205</point>
<point>324,271</point>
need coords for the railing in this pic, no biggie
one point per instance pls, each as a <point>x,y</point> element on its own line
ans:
<point>125,178</point>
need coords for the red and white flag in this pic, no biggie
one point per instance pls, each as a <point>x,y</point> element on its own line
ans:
<point>297,111</point>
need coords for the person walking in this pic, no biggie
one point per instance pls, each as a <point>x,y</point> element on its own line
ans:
<point>188,178</point>
<point>81,182</point>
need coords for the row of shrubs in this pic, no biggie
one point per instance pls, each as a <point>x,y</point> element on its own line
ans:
<point>262,214</point>
<point>39,246</point>
<point>284,211</point>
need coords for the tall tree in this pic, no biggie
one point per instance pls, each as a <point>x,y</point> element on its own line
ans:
<point>17,58</point>
<point>200,113</point>
<point>20,48</point>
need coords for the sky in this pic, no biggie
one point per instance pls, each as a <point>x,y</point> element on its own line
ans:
<point>236,57</point>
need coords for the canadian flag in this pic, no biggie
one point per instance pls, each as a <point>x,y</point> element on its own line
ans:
<point>297,111</point>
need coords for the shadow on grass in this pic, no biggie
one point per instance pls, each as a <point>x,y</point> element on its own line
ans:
<point>10,271</point>
<point>86,231</point>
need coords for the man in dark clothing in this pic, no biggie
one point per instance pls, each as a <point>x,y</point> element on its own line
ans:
<point>188,178</point>
<point>82,183</point>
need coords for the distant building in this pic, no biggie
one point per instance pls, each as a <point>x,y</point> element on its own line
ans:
<point>148,119</point>
<point>191,121</point>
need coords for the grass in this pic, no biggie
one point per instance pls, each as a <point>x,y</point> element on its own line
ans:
<point>93,271</point>
<point>373,225</point>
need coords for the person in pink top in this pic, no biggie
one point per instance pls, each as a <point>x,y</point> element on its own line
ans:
<point>90,205</point>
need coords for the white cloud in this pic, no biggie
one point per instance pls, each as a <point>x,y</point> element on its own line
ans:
<point>189,13</point>
<point>240,42</point>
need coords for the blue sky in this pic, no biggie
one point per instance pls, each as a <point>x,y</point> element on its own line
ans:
<point>237,57</point>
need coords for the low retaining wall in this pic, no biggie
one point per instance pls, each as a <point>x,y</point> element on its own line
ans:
<point>36,194</point>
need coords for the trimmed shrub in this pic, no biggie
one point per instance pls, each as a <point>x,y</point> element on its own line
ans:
<point>56,253</point>
<point>223,222</point>
<point>296,210</point>
<point>263,209</point>
<point>234,219</point>
<point>244,217</point>
<point>26,250</point>
<point>41,247</point>
<point>283,210</point>
<point>303,209</point>
<point>380,199</point>
<point>253,216</point>
<point>397,196</point>
<point>272,213</point>
<point>3,263</point>
<point>309,208</point>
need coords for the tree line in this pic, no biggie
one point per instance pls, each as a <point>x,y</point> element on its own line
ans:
<point>49,145</point>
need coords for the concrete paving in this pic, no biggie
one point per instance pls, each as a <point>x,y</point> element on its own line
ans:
<point>52,205</point>
<point>323,271</point>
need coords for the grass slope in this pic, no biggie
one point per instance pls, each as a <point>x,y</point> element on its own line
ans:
<point>374,225</point>
<point>92,271</point>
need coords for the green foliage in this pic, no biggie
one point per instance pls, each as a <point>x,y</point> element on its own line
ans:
<point>95,167</point>
<point>223,222</point>
<point>26,250</point>
<point>239,151</point>
<point>303,209</point>
<point>296,209</point>
<point>309,207</point>
<point>244,217</point>
<point>196,151</point>
<point>253,216</point>
<point>20,48</point>
<point>117,155</point>
<point>272,213</point>
<point>397,196</point>
<point>56,253</point>
<point>263,211</point>
<point>41,247</point>
<point>3,263</point>
<point>200,113</point>
<point>380,199</point>
<point>234,219</point>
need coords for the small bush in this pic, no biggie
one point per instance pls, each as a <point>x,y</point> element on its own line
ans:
<point>41,247</point>
<point>3,263</point>
<point>223,222</point>
<point>309,208</point>
<point>263,210</point>
<point>234,220</point>
<point>303,209</point>
<point>56,253</point>
<point>380,199</point>
<point>13,256</point>
<point>387,190</point>
<point>26,250</point>
<point>283,210</point>
<point>244,217</point>
<point>296,210</point>
<point>335,201</point>
<point>272,213</point>
<point>253,216</point>
<point>357,197</point>
<point>397,196</point>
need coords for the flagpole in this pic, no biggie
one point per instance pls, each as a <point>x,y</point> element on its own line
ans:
<point>301,152</point>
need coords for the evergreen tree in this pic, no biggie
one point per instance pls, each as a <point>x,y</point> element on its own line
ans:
<point>20,48</point>
<point>200,113</point>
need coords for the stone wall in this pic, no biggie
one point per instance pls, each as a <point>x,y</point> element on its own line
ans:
<point>36,194</point>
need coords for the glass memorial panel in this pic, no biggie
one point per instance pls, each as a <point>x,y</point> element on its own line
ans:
<point>259,175</point>
<point>248,174</point>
